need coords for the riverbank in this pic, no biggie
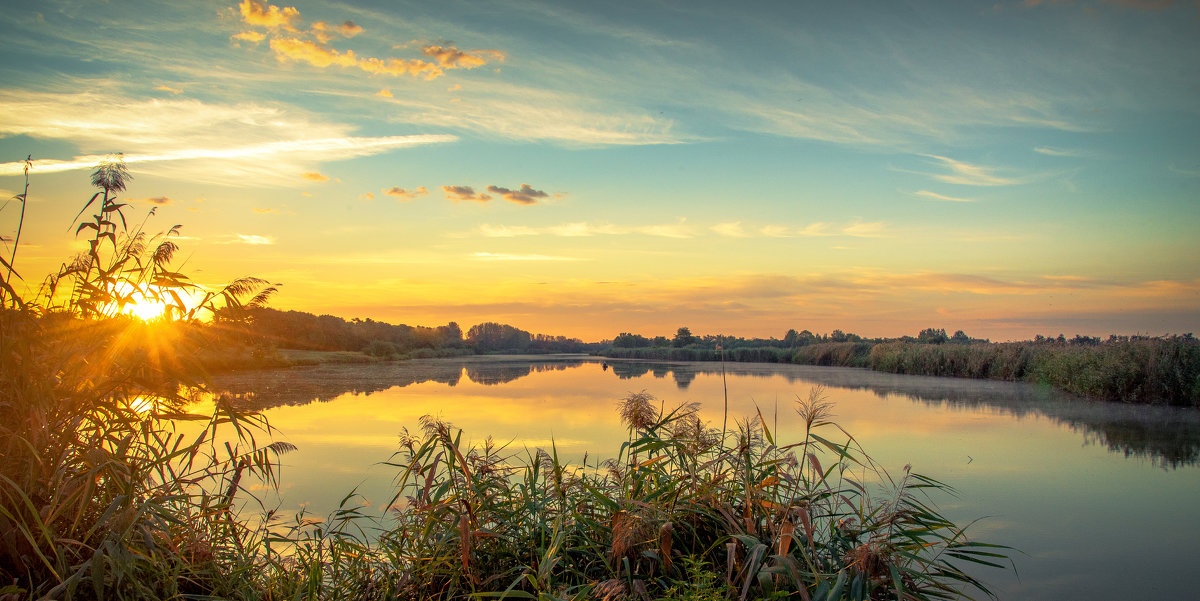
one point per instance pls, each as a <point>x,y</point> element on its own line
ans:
<point>1160,370</point>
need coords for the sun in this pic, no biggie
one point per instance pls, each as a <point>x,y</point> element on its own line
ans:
<point>139,301</point>
<point>145,309</point>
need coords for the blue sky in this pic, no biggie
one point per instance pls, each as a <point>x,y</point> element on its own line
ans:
<point>588,168</point>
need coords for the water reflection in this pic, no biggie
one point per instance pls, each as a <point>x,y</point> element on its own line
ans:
<point>303,385</point>
<point>1168,436</point>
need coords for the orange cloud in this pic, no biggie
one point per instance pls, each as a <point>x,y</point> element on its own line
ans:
<point>324,31</point>
<point>250,36</point>
<point>525,195</point>
<point>457,193</point>
<point>158,200</point>
<point>400,66</point>
<point>406,195</point>
<point>313,176</point>
<point>263,211</point>
<point>386,93</point>
<point>453,58</point>
<point>256,12</point>
<point>169,89</point>
<point>311,52</point>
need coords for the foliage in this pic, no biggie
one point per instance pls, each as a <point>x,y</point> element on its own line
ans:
<point>680,512</point>
<point>101,492</point>
<point>1139,369</point>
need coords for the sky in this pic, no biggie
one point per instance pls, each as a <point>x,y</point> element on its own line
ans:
<point>590,168</point>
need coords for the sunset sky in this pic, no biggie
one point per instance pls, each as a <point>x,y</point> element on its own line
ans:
<point>587,168</point>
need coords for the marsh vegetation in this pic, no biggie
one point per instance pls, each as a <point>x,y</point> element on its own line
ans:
<point>115,485</point>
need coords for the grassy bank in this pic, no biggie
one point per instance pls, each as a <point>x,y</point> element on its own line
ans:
<point>1163,370</point>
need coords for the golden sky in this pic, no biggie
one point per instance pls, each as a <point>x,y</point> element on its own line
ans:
<point>584,169</point>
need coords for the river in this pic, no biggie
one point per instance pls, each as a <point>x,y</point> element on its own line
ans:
<point>1099,498</point>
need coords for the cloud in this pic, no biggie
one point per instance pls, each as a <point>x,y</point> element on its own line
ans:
<point>251,239</point>
<point>525,195</point>
<point>776,231</point>
<point>450,57</point>
<point>313,176</point>
<point>967,174</point>
<point>943,197</point>
<point>256,12</point>
<point>406,195</point>
<point>506,231</point>
<point>580,229</point>
<point>458,193</point>
<point>367,196</point>
<point>1057,152</point>
<point>324,32</point>
<point>156,200</point>
<point>231,144</point>
<point>732,229</point>
<point>386,93</point>
<point>318,54</point>
<point>483,256</point>
<point>168,89</point>
<point>872,229</point>
<point>250,36</point>
<point>673,230</point>
<point>266,211</point>
<point>815,228</point>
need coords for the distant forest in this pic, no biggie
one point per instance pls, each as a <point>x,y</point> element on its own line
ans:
<point>272,328</point>
<point>1141,369</point>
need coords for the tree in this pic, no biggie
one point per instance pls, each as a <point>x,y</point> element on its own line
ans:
<point>627,340</point>
<point>933,336</point>
<point>791,339</point>
<point>683,337</point>
<point>960,337</point>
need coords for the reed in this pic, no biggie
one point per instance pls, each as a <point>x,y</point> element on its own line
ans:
<point>113,484</point>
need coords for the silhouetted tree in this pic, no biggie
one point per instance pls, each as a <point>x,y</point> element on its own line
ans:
<point>683,337</point>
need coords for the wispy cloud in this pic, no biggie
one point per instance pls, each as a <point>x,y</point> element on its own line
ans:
<point>525,195</point>
<point>732,229</point>
<point>405,194</point>
<point>506,231</point>
<point>942,197</point>
<point>204,141</point>
<point>967,174</point>
<point>1059,152</point>
<point>165,88</point>
<point>347,147</point>
<point>251,239</point>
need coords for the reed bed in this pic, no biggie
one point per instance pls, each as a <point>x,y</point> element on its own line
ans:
<point>114,486</point>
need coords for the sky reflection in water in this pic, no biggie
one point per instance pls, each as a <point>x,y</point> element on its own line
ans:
<point>1089,491</point>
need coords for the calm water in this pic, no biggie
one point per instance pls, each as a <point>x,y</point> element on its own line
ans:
<point>1100,498</point>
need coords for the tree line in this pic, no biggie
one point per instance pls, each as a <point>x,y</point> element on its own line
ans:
<point>1142,369</point>
<point>273,328</point>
